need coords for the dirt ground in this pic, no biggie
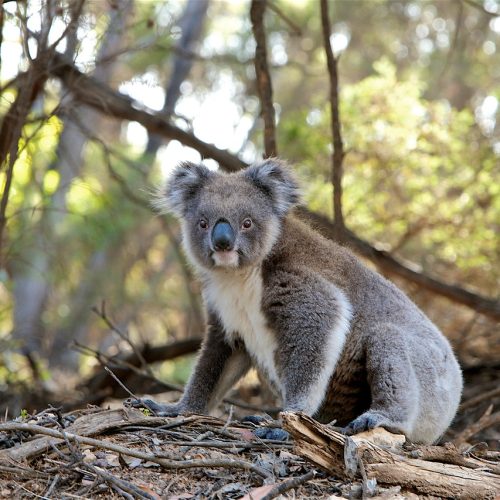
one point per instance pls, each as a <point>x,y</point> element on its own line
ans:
<point>128,453</point>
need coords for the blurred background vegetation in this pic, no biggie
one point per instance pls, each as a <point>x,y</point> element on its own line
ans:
<point>419,92</point>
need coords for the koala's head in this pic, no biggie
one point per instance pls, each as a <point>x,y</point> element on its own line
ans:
<point>230,220</point>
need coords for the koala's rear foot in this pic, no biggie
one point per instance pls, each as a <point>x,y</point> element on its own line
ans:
<point>368,421</point>
<point>393,383</point>
<point>160,410</point>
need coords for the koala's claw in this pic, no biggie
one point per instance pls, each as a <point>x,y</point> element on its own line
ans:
<point>365,422</point>
<point>160,410</point>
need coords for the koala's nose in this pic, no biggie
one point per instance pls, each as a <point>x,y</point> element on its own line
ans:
<point>223,235</point>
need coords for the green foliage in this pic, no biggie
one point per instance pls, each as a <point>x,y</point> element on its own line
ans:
<point>419,174</point>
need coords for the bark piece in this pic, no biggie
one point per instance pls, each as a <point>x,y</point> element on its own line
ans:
<point>92,424</point>
<point>326,448</point>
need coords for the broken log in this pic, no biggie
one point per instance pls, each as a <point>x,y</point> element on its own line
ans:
<point>381,457</point>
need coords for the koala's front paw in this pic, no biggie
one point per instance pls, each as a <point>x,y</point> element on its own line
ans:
<point>365,422</point>
<point>274,433</point>
<point>160,410</point>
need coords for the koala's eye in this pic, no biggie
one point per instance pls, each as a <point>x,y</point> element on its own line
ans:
<point>203,223</point>
<point>247,223</point>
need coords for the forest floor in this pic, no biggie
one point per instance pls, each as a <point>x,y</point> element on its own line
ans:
<point>128,453</point>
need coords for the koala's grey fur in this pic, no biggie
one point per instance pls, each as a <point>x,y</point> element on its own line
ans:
<point>335,339</point>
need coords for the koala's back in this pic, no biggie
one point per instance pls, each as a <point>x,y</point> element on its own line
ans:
<point>380,312</point>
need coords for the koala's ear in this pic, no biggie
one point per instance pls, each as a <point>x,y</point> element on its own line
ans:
<point>183,185</point>
<point>275,178</point>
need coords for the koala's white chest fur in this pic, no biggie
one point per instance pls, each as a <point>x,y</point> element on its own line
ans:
<point>237,297</point>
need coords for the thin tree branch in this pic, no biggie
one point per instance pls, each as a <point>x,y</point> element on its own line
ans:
<point>338,147</point>
<point>11,131</point>
<point>99,96</point>
<point>389,264</point>
<point>487,420</point>
<point>264,85</point>
<point>476,400</point>
<point>290,484</point>
<point>297,31</point>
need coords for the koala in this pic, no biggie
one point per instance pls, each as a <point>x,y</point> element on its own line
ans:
<point>335,339</point>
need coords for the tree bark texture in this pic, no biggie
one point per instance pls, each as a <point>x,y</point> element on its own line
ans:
<point>338,147</point>
<point>264,84</point>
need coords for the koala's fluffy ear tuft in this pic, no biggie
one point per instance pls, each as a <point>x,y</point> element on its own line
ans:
<point>275,178</point>
<point>182,186</point>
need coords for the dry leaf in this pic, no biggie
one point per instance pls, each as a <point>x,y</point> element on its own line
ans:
<point>258,493</point>
<point>88,456</point>
<point>246,434</point>
<point>149,491</point>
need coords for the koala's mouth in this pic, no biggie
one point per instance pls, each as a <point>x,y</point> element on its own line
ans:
<point>226,258</point>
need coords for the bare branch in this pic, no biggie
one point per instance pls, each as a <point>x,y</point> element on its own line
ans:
<point>297,31</point>
<point>476,400</point>
<point>99,96</point>
<point>338,147</point>
<point>264,84</point>
<point>295,482</point>
<point>11,132</point>
<point>389,264</point>
<point>487,420</point>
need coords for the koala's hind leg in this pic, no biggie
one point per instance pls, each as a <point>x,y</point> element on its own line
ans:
<point>310,318</point>
<point>393,383</point>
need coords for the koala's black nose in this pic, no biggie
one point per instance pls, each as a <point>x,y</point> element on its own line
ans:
<point>223,236</point>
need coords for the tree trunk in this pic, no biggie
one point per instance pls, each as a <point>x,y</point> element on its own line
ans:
<point>191,25</point>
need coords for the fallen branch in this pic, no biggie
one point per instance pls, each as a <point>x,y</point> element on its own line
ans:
<point>474,401</point>
<point>91,424</point>
<point>487,420</point>
<point>119,485</point>
<point>101,380</point>
<point>326,448</point>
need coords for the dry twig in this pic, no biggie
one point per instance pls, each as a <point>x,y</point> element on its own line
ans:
<point>289,485</point>
<point>474,401</point>
<point>165,463</point>
<point>487,420</point>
